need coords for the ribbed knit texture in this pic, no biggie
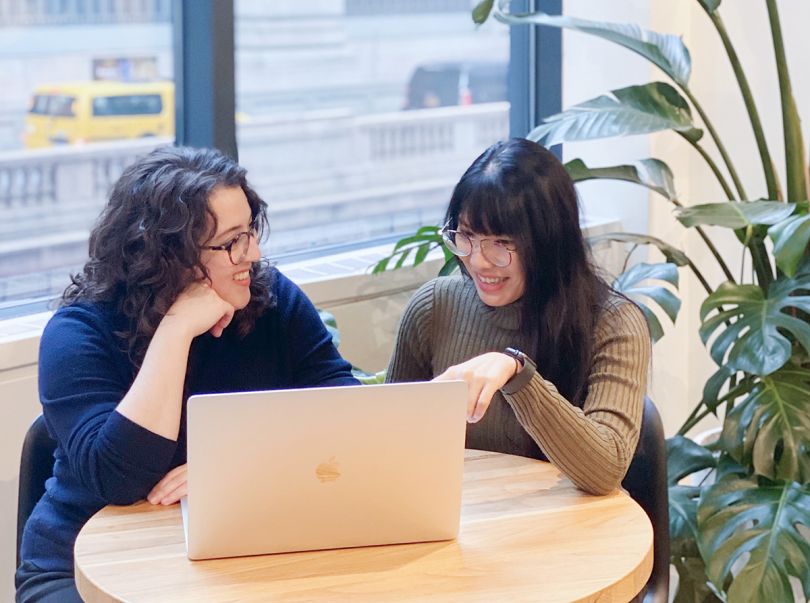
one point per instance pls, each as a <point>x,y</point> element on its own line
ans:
<point>446,323</point>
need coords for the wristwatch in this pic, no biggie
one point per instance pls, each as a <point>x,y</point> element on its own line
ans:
<point>523,376</point>
<point>522,358</point>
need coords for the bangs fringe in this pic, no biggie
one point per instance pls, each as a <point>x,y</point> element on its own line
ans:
<point>487,209</point>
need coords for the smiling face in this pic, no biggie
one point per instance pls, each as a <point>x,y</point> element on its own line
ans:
<point>496,286</point>
<point>232,211</point>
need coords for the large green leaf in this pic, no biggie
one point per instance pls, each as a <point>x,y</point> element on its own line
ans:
<point>713,386</point>
<point>629,284</point>
<point>790,239</point>
<point>740,516</point>
<point>734,214</point>
<point>450,266</point>
<point>692,581</point>
<point>684,457</point>
<point>652,173</point>
<point>481,11</point>
<point>666,51</point>
<point>770,427</point>
<point>369,378</point>
<point>729,469</point>
<point>415,247</point>
<point>683,530</point>
<point>754,341</point>
<point>633,110</point>
<point>328,320</point>
<point>672,254</point>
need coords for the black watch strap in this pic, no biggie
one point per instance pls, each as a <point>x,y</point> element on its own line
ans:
<point>520,379</point>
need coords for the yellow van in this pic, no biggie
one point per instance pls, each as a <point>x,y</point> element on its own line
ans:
<point>74,113</point>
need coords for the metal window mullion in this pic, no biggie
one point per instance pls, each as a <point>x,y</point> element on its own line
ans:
<point>535,69</point>
<point>204,72</point>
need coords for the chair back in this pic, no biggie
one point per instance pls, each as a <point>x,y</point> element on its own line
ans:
<point>36,466</point>
<point>646,483</point>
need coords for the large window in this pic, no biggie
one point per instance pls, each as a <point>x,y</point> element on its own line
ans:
<point>354,117</point>
<point>85,87</point>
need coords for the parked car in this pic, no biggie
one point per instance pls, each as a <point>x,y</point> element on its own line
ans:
<point>456,83</point>
<point>92,111</point>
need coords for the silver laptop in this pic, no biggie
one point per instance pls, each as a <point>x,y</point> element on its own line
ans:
<point>322,468</point>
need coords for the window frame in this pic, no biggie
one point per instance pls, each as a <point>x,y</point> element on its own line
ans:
<point>204,74</point>
<point>204,56</point>
<point>535,57</point>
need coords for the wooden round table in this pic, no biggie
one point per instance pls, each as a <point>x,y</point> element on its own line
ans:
<point>526,535</point>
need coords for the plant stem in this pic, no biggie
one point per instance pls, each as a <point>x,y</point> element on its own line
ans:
<point>794,146</point>
<point>714,251</point>
<point>759,254</point>
<point>712,165</point>
<point>761,263</point>
<point>696,417</point>
<point>771,178</point>
<point>700,277</point>
<point>720,147</point>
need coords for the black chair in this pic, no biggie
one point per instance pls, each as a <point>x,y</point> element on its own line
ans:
<point>646,483</point>
<point>36,466</point>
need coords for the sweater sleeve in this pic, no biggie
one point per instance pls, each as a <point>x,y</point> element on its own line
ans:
<point>411,360</point>
<point>83,376</point>
<point>594,445</point>
<point>313,358</point>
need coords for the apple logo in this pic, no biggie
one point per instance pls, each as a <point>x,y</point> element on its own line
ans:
<point>328,471</point>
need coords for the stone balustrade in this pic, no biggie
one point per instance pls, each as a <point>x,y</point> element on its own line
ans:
<point>327,176</point>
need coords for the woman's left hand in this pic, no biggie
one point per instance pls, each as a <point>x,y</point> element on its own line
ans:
<point>484,374</point>
<point>171,488</point>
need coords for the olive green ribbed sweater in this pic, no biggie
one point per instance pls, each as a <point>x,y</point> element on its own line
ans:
<point>446,323</point>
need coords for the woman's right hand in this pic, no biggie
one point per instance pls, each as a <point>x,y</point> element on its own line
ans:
<point>199,309</point>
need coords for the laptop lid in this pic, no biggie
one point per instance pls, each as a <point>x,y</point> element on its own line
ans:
<point>320,468</point>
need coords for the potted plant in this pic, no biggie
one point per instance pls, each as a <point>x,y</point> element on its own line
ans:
<point>742,535</point>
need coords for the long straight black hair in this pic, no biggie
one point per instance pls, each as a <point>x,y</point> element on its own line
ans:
<point>519,189</point>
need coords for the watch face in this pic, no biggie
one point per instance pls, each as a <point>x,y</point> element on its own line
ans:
<point>515,353</point>
<point>519,356</point>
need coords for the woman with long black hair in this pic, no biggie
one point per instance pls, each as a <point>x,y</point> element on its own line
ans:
<point>556,362</point>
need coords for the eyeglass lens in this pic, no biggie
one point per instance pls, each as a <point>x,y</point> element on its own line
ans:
<point>462,245</point>
<point>239,248</point>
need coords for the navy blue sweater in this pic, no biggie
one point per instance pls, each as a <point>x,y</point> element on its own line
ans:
<point>104,458</point>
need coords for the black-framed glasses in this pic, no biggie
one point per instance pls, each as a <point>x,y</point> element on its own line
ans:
<point>496,251</point>
<point>237,247</point>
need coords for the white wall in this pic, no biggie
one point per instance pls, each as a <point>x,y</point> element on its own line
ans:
<point>19,405</point>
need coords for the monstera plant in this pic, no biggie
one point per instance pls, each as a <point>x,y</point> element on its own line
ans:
<point>740,526</point>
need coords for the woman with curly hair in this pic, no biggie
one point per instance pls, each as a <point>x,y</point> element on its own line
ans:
<point>556,362</point>
<point>175,300</point>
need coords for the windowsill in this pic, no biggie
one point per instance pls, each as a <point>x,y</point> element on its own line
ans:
<point>328,281</point>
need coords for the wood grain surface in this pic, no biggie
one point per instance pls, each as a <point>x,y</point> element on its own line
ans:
<point>526,535</point>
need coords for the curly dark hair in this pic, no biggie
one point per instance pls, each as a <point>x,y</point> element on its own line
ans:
<point>145,247</point>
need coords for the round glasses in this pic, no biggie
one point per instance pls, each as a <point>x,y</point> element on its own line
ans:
<point>496,251</point>
<point>237,247</point>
